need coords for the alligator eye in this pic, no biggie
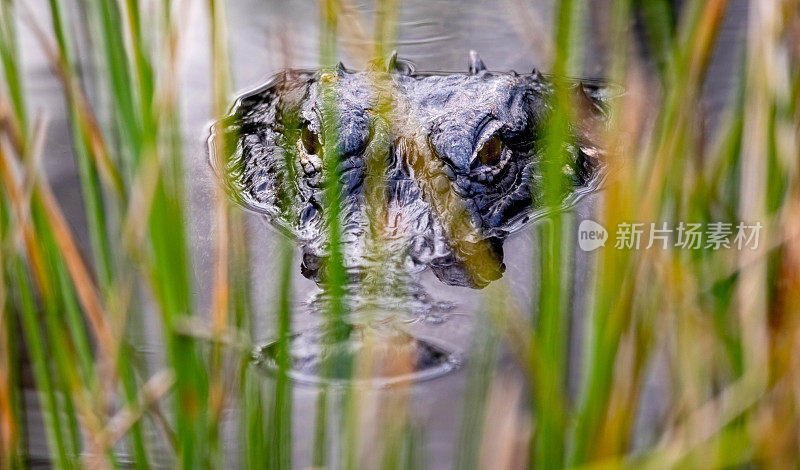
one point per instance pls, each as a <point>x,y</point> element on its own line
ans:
<point>490,151</point>
<point>310,140</point>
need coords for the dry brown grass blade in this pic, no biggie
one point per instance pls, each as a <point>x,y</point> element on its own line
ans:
<point>221,289</point>
<point>152,391</point>
<point>24,226</point>
<point>353,32</point>
<point>103,438</point>
<point>86,120</point>
<point>777,427</point>
<point>393,407</point>
<point>509,427</point>
<point>9,434</point>
<point>221,282</point>
<point>84,285</point>
<point>90,421</point>
<point>713,14</point>
<point>223,218</point>
<point>355,37</point>
<point>707,421</point>
<point>752,287</point>
<point>531,31</point>
<point>82,280</point>
<point>143,192</point>
<point>686,94</point>
<point>199,328</point>
<point>10,124</point>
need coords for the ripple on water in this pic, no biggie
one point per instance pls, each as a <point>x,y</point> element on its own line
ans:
<point>384,356</point>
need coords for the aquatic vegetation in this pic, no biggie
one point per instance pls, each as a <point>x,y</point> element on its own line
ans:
<point>636,355</point>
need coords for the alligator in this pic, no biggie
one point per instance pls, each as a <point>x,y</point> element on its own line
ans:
<point>429,170</point>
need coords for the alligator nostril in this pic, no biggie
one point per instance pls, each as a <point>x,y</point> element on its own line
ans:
<point>310,140</point>
<point>310,265</point>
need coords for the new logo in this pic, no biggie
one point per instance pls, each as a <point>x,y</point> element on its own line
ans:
<point>591,235</point>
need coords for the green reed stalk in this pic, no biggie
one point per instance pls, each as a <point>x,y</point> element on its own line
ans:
<point>481,372</point>
<point>281,429</point>
<point>336,277</point>
<point>256,447</point>
<point>65,381</point>
<point>121,85</point>
<point>661,176</point>
<point>171,285</point>
<point>552,317</point>
<point>319,452</point>
<point>601,340</point>
<point>94,204</point>
<point>14,429</point>
<point>46,389</point>
<point>14,88</point>
<point>378,277</point>
<point>65,378</point>
<point>221,300</point>
<point>402,449</point>
<point>336,329</point>
<point>9,52</point>
<point>166,263</point>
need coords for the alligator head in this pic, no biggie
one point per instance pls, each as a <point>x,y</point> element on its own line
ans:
<point>438,168</point>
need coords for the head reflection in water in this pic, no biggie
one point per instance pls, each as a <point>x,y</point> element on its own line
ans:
<point>434,170</point>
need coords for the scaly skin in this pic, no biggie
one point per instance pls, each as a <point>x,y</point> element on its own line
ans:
<point>441,166</point>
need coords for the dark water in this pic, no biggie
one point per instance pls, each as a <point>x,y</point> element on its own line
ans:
<point>436,35</point>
